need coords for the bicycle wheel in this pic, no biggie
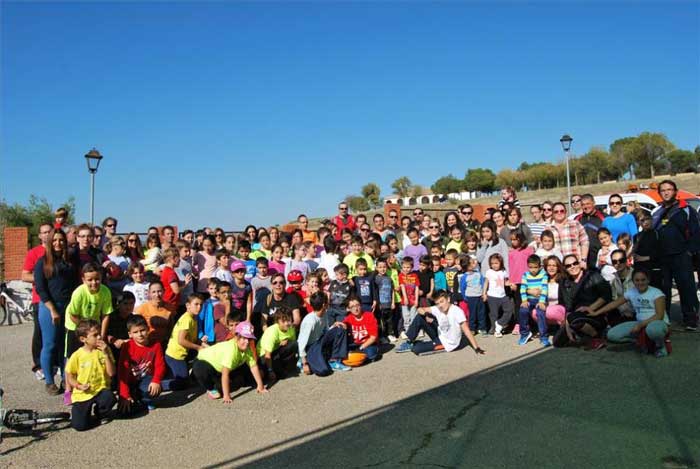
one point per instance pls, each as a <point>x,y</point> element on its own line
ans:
<point>3,314</point>
<point>43,418</point>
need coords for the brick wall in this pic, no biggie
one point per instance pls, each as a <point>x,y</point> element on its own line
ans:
<point>16,244</point>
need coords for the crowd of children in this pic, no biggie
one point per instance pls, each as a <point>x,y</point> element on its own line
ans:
<point>219,310</point>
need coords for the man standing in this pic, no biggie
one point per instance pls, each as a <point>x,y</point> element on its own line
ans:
<point>569,235</point>
<point>168,237</point>
<point>379,228</point>
<point>592,219</point>
<point>679,238</point>
<point>306,233</point>
<point>30,261</point>
<point>343,220</point>
<point>466,213</point>
<point>394,221</point>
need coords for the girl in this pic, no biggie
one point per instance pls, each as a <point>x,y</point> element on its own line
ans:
<point>117,277</point>
<point>152,256</point>
<point>251,234</point>
<point>452,219</point>
<point>265,245</point>
<point>515,223</point>
<point>297,262</point>
<point>517,266</point>
<point>555,312</point>
<point>490,244</point>
<point>471,284</point>
<point>646,249</point>
<point>494,293</point>
<point>138,285</point>
<point>604,261</point>
<point>313,285</point>
<point>547,247</point>
<point>204,263</point>
<point>276,263</point>
<point>619,222</point>
<point>324,279</point>
<point>134,249</point>
<point>624,242</point>
<point>455,239</point>
<point>471,242</point>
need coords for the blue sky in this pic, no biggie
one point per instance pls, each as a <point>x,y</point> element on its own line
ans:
<point>225,114</point>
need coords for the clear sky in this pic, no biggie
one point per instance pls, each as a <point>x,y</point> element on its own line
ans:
<point>225,114</point>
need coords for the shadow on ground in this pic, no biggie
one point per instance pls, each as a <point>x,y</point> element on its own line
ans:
<point>558,408</point>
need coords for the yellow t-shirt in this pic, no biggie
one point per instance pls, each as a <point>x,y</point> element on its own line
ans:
<point>272,337</point>
<point>188,323</point>
<point>86,305</point>
<point>88,367</point>
<point>226,354</point>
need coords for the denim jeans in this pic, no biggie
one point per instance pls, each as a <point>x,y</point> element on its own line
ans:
<point>656,331</point>
<point>52,340</point>
<point>372,351</point>
<point>178,374</point>
<point>430,328</point>
<point>524,318</point>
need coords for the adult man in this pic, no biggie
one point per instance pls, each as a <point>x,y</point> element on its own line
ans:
<point>33,256</point>
<point>378,220</point>
<point>168,237</point>
<point>109,225</point>
<point>306,233</point>
<point>393,224</point>
<point>569,235</point>
<point>365,231</point>
<point>620,284</point>
<point>418,216</point>
<point>343,220</point>
<point>575,206</point>
<point>466,213</point>
<point>591,219</point>
<point>679,238</point>
<point>537,226</point>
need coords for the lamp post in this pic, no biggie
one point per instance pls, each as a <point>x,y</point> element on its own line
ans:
<point>93,159</point>
<point>566,145</point>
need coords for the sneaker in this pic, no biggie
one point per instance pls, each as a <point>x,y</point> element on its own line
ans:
<point>392,339</point>
<point>337,365</point>
<point>516,330</point>
<point>545,342</point>
<point>53,390</point>
<point>404,347</point>
<point>524,338</point>
<point>439,347</point>
<point>300,365</point>
<point>39,374</point>
<point>67,398</point>
<point>213,394</point>
<point>661,352</point>
<point>483,332</point>
<point>403,335</point>
<point>597,344</point>
<point>151,407</point>
<point>691,328</point>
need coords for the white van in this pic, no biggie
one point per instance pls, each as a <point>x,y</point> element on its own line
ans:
<point>644,201</point>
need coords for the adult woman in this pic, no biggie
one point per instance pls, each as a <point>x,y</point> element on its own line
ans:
<point>645,252</point>
<point>274,235</point>
<point>434,236</point>
<point>547,212</point>
<point>452,219</point>
<point>204,263</point>
<point>134,250</point>
<point>618,221</point>
<point>55,278</point>
<point>500,220</point>
<point>152,257</point>
<point>514,223</point>
<point>581,292</point>
<point>555,312</point>
<point>251,234</point>
<point>490,244</point>
<point>219,237</point>
<point>649,305</point>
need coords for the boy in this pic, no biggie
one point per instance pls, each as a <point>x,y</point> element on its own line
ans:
<point>363,328</point>
<point>214,365</point>
<point>426,280</point>
<point>184,272</point>
<point>444,323</point>
<point>470,287</point>
<point>261,279</point>
<point>88,372</point>
<point>60,217</point>
<point>408,282</point>
<point>141,367</point>
<point>415,250</point>
<point>338,291</point>
<point>533,294</point>
<point>241,292</point>
<point>436,251</point>
<point>364,287</point>
<point>222,272</point>
<point>439,277</point>
<point>205,319</point>
<point>322,350</point>
<point>357,252</point>
<point>170,280</point>
<point>451,270</point>
<point>222,310</point>
<point>182,340</point>
<point>278,346</point>
<point>385,299</point>
<point>244,255</point>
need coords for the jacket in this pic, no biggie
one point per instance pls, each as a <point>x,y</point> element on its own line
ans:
<point>591,287</point>
<point>678,228</point>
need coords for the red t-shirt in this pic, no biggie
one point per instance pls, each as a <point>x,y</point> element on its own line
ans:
<point>137,362</point>
<point>170,298</point>
<point>349,223</point>
<point>410,281</point>
<point>30,261</point>
<point>362,328</point>
<point>220,331</point>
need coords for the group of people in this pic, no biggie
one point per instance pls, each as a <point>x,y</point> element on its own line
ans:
<point>115,318</point>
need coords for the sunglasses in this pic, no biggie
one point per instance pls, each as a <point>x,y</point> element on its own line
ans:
<point>560,211</point>
<point>418,213</point>
<point>619,261</point>
<point>568,266</point>
<point>393,216</point>
<point>364,229</point>
<point>110,225</point>
<point>614,203</point>
<point>467,213</point>
<point>342,208</point>
<point>434,227</point>
<point>575,201</point>
<point>278,283</point>
<point>546,209</point>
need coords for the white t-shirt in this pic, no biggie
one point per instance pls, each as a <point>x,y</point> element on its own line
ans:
<point>497,283</point>
<point>224,275</point>
<point>140,291</point>
<point>643,303</point>
<point>449,330</point>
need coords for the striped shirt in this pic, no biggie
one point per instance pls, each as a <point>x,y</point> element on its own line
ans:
<point>530,281</point>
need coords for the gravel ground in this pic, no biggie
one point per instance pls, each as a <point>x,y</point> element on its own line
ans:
<point>515,406</point>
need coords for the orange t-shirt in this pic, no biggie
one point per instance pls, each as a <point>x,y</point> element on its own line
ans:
<point>158,319</point>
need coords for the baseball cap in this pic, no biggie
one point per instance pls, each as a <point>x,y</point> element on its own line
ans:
<point>237,265</point>
<point>245,329</point>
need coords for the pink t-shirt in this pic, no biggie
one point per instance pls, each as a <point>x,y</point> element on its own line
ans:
<point>30,261</point>
<point>517,263</point>
<point>205,265</point>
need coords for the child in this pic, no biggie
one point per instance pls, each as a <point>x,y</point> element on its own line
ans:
<point>91,300</point>
<point>59,218</point>
<point>118,265</point>
<point>624,242</point>
<point>471,244</point>
<point>277,265</point>
<point>138,286</point>
<point>312,286</point>
<point>604,261</point>
<point>426,280</point>
<point>241,292</point>
<point>156,314</point>
<point>214,365</point>
<point>363,328</point>
<point>141,367</point>
<point>410,293</point>
<point>244,249</point>
<point>182,340</point>
<point>446,326</point>
<point>322,349</point>
<point>646,250</point>
<point>494,293</point>
<point>262,278</point>
<point>518,255</point>
<point>324,279</point>
<point>309,256</point>
<point>205,319</point>
<point>455,239</point>
<point>533,294</point>
<point>384,287</point>
<point>171,281</point>
<point>184,272</point>
<point>223,272</point>
<point>278,347</point>
<point>471,285</point>
<point>364,287</point>
<point>415,250</point>
<point>357,252</point>
<point>547,247</point>
<point>222,310</point>
<point>338,291</point>
<point>451,270</point>
<point>297,262</point>
<point>117,332</point>
<point>88,371</point>
<point>439,277</point>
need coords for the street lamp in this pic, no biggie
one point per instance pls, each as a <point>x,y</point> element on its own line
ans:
<point>93,159</point>
<point>566,145</point>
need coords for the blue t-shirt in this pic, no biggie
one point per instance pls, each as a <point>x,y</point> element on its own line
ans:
<point>385,290</point>
<point>364,288</point>
<point>624,224</point>
<point>440,280</point>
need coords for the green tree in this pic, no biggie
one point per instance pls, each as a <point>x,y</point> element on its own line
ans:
<point>508,177</point>
<point>36,212</point>
<point>371,192</point>
<point>622,154</point>
<point>357,203</point>
<point>480,180</point>
<point>417,190</point>
<point>649,153</point>
<point>402,186</point>
<point>682,161</point>
<point>447,185</point>
<point>599,163</point>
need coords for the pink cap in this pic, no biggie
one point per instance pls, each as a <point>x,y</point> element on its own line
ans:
<point>237,265</point>
<point>245,329</point>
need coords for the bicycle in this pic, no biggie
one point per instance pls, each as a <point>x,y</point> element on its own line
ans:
<point>27,420</point>
<point>8,307</point>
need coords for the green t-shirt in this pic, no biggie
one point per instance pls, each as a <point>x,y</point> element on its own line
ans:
<point>188,323</point>
<point>86,305</point>
<point>272,337</point>
<point>352,258</point>
<point>226,354</point>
